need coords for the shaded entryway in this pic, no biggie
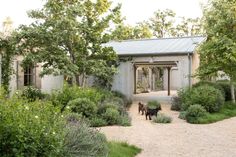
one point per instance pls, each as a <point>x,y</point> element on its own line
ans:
<point>153,77</point>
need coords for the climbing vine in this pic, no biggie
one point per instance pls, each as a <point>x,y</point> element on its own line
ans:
<point>7,51</point>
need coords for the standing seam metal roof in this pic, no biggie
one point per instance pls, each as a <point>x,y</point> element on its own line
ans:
<point>162,46</point>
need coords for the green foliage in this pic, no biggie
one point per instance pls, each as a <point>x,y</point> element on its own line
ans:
<point>218,52</point>
<point>162,23</point>
<point>69,36</point>
<point>83,141</point>
<point>68,93</point>
<point>32,93</point>
<point>176,104</point>
<point>122,149</point>
<point>189,27</point>
<point>228,110</point>
<point>127,102</point>
<point>124,32</point>
<point>161,118</point>
<point>153,105</point>
<point>182,115</point>
<point>97,121</point>
<point>111,116</point>
<point>207,96</point>
<point>83,106</point>
<point>93,104</point>
<point>7,52</point>
<point>30,129</point>
<point>227,89</point>
<point>213,84</point>
<point>194,112</point>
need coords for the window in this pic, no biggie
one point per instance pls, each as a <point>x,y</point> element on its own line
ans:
<point>28,76</point>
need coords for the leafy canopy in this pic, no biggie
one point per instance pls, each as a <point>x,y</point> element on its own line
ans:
<point>67,37</point>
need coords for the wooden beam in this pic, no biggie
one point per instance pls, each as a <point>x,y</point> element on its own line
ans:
<point>168,81</point>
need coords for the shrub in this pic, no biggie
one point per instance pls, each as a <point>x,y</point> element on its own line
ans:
<point>127,102</point>
<point>124,120</point>
<point>176,103</point>
<point>97,121</point>
<point>207,96</point>
<point>30,129</point>
<point>161,118</point>
<point>111,116</point>
<point>227,89</point>
<point>213,84</point>
<point>194,112</point>
<point>182,115</point>
<point>32,93</point>
<point>153,104</point>
<point>83,141</point>
<point>83,106</point>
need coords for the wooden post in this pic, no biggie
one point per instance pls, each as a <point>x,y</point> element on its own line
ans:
<point>168,68</point>
<point>135,79</point>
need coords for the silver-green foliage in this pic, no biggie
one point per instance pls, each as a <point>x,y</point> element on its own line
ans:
<point>161,118</point>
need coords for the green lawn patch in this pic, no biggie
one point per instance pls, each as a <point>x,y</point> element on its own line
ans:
<point>228,110</point>
<point>122,149</point>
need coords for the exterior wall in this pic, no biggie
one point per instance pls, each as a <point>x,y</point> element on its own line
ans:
<point>195,65</point>
<point>124,80</point>
<point>50,83</point>
<point>46,84</point>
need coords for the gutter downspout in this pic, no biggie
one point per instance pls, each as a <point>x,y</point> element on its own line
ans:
<point>189,70</point>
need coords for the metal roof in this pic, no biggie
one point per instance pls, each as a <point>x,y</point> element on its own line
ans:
<point>162,46</point>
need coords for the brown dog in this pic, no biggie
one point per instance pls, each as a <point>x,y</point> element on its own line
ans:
<point>142,108</point>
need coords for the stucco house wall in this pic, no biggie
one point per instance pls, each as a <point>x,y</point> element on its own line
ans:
<point>124,79</point>
<point>47,83</point>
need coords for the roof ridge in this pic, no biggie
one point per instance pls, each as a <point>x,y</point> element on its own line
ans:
<point>148,39</point>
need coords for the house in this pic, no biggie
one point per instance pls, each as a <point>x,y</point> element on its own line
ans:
<point>29,76</point>
<point>156,64</point>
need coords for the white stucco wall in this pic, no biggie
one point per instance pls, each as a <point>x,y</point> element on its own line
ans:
<point>50,83</point>
<point>124,80</point>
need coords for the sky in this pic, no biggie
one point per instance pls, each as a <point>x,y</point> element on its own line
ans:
<point>134,10</point>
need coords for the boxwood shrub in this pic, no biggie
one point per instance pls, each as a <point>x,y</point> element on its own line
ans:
<point>194,112</point>
<point>207,96</point>
<point>83,106</point>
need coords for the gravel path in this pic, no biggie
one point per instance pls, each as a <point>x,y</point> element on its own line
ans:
<point>178,139</point>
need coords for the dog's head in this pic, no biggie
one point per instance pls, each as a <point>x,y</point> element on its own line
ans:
<point>140,104</point>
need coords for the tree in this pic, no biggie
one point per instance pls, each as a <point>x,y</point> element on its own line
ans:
<point>162,24</point>
<point>218,53</point>
<point>124,32</point>
<point>67,38</point>
<point>189,27</point>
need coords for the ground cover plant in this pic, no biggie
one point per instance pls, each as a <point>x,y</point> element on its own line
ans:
<point>161,118</point>
<point>122,149</point>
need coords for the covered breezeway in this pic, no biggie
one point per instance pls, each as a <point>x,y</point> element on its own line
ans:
<point>149,77</point>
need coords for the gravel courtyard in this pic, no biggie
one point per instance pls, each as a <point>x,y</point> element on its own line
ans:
<point>178,139</point>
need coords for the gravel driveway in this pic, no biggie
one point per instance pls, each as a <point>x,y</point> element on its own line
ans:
<point>178,139</point>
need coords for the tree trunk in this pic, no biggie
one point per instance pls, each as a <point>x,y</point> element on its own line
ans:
<point>77,78</point>
<point>232,90</point>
